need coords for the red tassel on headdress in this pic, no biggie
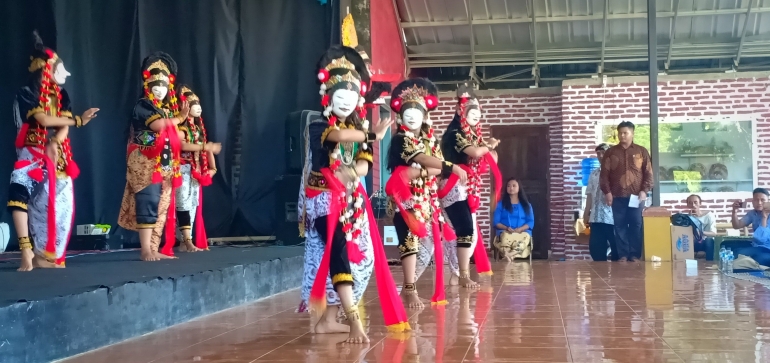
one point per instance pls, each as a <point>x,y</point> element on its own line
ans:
<point>398,188</point>
<point>393,311</point>
<point>201,241</point>
<point>483,267</point>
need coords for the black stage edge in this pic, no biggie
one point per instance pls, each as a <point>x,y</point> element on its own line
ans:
<point>105,298</point>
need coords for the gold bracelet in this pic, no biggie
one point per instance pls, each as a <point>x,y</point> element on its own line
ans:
<point>424,173</point>
<point>352,313</point>
<point>24,243</point>
<point>203,147</point>
<point>78,121</point>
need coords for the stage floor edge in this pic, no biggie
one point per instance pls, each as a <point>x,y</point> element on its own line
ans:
<point>105,298</point>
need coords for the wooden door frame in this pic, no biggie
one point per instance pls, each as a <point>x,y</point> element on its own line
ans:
<point>495,131</point>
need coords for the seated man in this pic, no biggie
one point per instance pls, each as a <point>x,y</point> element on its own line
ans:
<point>757,219</point>
<point>708,225</point>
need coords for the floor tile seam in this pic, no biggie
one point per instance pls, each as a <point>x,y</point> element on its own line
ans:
<point>561,315</point>
<point>231,330</point>
<point>279,347</point>
<point>476,336</point>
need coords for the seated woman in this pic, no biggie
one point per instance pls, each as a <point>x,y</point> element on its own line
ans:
<point>757,219</point>
<point>708,225</point>
<point>513,215</point>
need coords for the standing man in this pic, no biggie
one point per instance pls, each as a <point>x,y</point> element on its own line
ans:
<point>626,172</point>
<point>598,214</point>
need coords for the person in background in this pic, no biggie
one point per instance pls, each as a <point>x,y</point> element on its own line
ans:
<point>513,214</point>
<point>708,225</point>
<point>756,219</point>
<point>598,215</point>
<point>626,171</point>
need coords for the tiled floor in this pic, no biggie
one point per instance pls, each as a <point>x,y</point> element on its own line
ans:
<point>547,312</point>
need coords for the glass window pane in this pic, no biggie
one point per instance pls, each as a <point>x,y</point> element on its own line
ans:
<point>699,157</point>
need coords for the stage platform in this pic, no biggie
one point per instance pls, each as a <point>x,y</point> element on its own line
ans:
<point>105,297</point>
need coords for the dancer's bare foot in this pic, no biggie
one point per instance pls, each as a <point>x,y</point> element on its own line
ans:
<point>149,256</point>
<point>357,333</point>
<point>325,326</point>
<point>411,299</point>
<point>188,246</point>
<point>161,256</point>
<point>42,263</point>
<point>26,260</point>
<point>465,280</point>
<point>454,280</point>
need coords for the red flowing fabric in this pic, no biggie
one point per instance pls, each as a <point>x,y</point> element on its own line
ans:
<point>176,145</point>
<point>483,267</point>
<point>22,136</point>
<point>201,241</point>
<point>396,319</point>
<point>50,247</point>
<point>439,296</point>
<point>490,162</point>
<point>398,188</point>
<point>317,300</point>
<point>394,349</point>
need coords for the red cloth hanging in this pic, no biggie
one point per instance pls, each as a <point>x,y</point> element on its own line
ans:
<point>201,241</point>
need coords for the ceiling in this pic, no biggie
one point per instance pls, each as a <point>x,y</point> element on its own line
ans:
<point>578,38</point>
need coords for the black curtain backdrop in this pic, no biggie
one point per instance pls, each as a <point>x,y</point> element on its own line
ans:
<point>251,61</point>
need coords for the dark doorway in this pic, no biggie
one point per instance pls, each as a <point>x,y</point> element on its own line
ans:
<point>524,153</point>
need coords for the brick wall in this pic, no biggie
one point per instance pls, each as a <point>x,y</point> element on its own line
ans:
<point>575,110</point>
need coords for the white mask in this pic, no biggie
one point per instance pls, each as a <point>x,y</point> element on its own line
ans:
<point>60,74</point>
<point>473,117</point>
<point>413,119</point>
<point>196,111</point>
<point>344,102</point>
<point>159,92</point>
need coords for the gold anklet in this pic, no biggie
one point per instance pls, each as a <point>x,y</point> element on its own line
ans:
<point>410,288</point>
<point>465,274</point>
<point>24,243</point>
<point>352,313</point>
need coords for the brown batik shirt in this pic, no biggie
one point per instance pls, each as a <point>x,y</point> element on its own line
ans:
<point>626,171</point>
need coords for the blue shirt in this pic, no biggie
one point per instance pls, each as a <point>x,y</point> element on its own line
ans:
<point>754,219</point>
<point>514,219</point>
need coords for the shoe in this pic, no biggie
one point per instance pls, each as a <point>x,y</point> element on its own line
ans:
<point>623,259</point>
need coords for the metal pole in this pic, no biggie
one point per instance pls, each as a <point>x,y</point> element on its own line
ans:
<point>652,51</point>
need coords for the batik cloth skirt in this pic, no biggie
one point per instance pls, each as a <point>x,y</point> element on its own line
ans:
<point>145,205</point>
<point>458,214</point>
<point>32,196</point>
<point>187,197</point>
<point>315,243</point>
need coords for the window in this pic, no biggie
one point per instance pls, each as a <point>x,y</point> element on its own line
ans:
<point>699,156</point>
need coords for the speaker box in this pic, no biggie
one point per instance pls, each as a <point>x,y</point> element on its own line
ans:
<point>286,211</point>
<point>295,139</point>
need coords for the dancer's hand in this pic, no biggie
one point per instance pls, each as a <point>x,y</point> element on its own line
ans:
<point>382,128</point>
<point>214,147</point>
<point>493,143</point>
<point>211,172</point>
<point>89,115</point>
<point>460,173</point>
<point>184,111</point>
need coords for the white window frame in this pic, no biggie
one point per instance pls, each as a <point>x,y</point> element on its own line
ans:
<point>752,118</point>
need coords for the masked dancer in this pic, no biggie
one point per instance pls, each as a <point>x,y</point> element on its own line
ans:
<point>343,245</point>
<point>197,169</point>
<point>415,160</point>
<point>40,196</point>
<point>153,164</point>
<point>463,144</point>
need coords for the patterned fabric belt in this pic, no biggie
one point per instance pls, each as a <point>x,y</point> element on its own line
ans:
<point>145,138</point>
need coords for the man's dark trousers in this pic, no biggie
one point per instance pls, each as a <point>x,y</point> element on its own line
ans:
<point>628,228</point>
